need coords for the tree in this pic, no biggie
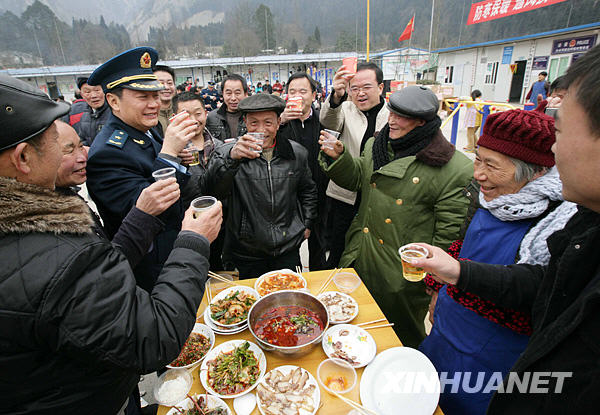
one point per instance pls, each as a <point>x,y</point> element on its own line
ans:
<point>345,41</point>
<point>293,46</point>
<point>240,33</point>
<point>265,27</point>
<point>317,37</point>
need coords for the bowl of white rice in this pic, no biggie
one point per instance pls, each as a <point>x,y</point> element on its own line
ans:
<point>173,386</point>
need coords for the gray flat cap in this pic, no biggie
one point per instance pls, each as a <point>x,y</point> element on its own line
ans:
<point>25,111</point>
<point>414,102</point>
<point>262,102</point>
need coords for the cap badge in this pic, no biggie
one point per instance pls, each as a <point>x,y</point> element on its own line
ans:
<point>145,61</point>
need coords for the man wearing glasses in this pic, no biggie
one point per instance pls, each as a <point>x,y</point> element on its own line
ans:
<point>356,109</point>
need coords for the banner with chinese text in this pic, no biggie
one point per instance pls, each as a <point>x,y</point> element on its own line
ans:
<point>487,10</point>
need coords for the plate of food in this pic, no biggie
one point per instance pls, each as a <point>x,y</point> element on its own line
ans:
<point>289,390</point>
<point>220,329</point>
<point>283,279</point>
<point>389,382</point>
<point>208,404</point>
<point>341,307</point>
<point>198,344</point>
<point>350,343</point>
<point>233,369</point>
<point>230,307</point>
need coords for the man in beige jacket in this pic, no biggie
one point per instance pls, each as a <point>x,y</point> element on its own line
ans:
<point>356,109</point>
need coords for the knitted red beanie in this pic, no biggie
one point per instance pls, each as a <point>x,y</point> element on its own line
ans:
<point>524,135</point>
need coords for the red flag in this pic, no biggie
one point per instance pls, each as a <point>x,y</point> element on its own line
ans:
<point>410,27</point>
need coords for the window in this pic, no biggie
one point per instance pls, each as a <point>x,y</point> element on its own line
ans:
<point>449,74</point>
<point>491,73</point>
<point>558,67</point>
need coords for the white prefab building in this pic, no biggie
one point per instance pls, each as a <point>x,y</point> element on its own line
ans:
<point>503,70</point>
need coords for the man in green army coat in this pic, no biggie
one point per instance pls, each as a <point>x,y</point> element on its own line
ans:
<point>411,180</point>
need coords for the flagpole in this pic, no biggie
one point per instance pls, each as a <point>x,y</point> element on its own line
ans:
<point>431,26</point>
<point>412,29</point>
<point>368,26</point>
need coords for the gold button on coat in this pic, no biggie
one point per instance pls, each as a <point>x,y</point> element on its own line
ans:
<point>416,180</point>
<point>381,241</point>
<point>366,230</point>
<point>399,201</point>
<point>388,220</point>
<point>373,185</point>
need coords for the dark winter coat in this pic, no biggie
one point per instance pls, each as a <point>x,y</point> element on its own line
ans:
<point>91,123</point>
<point>216,123</point>
<point>564,301</point>
<point>75,331</point>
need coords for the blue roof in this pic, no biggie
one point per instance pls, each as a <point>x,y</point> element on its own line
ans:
<point>526,37</point>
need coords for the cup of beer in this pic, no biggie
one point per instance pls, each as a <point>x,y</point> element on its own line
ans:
<point>408,252</point>
<point>259,138</point>
<point>330,142</point>
<point>163,174</point>
<point>194,152</point>
<point>202,203</point>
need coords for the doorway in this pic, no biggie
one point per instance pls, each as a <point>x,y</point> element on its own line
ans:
<point>516,85</point>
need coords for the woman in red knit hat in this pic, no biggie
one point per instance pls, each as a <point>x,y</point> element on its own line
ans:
<point>516,203</point>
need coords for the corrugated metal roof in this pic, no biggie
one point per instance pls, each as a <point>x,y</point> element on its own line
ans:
<point>526,37</point>
<point>189,63</point>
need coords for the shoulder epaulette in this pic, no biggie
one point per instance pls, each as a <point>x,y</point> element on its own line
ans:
<point>117,138</point>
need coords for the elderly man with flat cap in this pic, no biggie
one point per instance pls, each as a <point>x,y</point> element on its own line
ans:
<point>412,182</point>
<point>76,331</point>
<point>272,197</point>
<point>129,148</point>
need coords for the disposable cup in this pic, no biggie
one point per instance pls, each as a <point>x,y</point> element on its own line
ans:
<point>350,65</point>
<point>330,143</point>
<point>408,252</point>
<point>163,174</point>
<point>259,138</point>
<point>202,203</point>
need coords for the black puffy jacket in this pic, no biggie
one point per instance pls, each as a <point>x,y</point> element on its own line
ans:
<point>271,203</point>
<point>91,123</point>
<point>216,123</point>
<point>75,331</point>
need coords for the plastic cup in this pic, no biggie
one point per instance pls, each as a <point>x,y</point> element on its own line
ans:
<point>194,152</point>
<point>202,203</point>
<point>408,252</point>
<point>346,282</point>
<point>350,65</point>
<point>295,103</point>
<point>330,143</point>
<point>163,174</point>
<point>336,376</point>
<point>258,138</point>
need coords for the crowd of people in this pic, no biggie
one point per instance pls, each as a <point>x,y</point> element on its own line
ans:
<point>92,295</point>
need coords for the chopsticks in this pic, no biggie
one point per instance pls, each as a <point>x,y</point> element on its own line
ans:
<point>328,281</point>
<point>372,322</point>
<point>298,269</point>
<point>355,405</point>
<point>220,278</point>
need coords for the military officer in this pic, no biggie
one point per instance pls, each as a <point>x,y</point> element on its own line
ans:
<point>129,148</point>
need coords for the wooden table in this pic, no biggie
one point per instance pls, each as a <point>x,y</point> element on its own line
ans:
<point>368,310</point>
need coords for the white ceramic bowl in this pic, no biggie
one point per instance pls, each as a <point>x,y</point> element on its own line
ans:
<point>228,347</point>
<point>261,279</point>
<point>210,335</point>
<point>226,293</point>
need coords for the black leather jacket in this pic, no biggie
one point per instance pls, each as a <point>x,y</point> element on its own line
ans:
<point>270,203</point>
<point>216,123</point>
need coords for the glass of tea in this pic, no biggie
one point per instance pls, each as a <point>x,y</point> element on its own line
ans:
<point>202,203</point>
<point>408,252</point>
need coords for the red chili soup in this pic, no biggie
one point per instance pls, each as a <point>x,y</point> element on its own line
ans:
<point>288,326</point>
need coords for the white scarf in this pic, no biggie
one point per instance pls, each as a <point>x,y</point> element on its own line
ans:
<point>530,202</point>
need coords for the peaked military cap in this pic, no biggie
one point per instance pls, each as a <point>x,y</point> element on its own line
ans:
<point>131,69</point>
<point>25,111</point>
<point>414,102</point>
<point>262,102</point>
